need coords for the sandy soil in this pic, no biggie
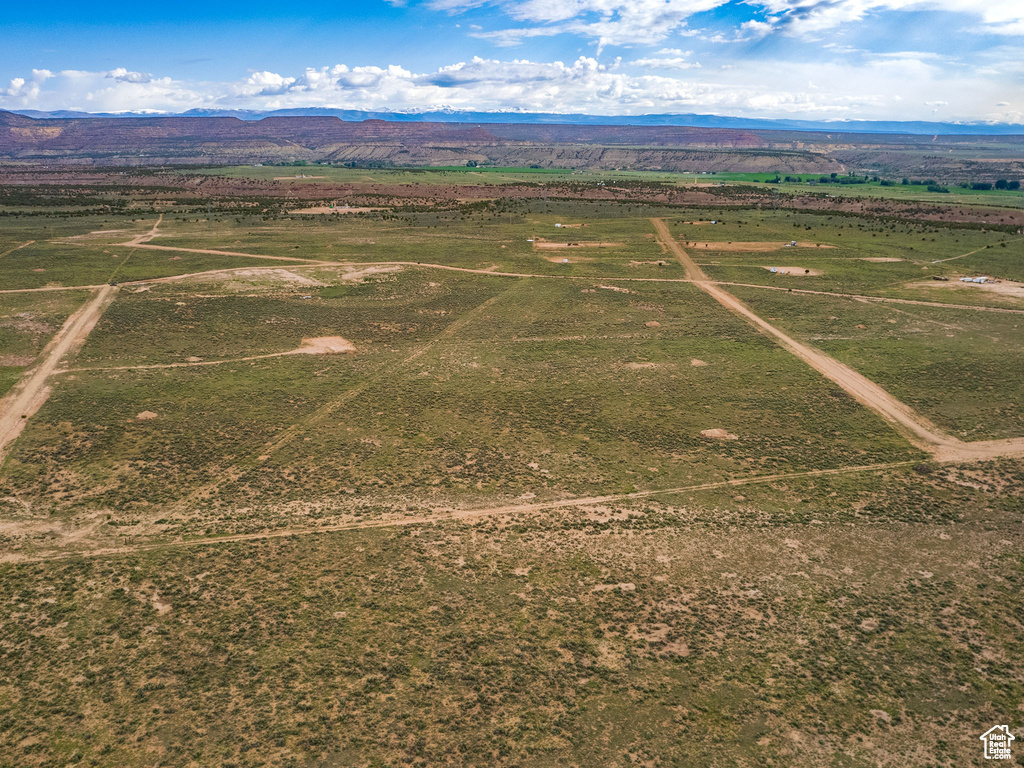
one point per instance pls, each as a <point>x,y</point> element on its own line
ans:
<point>146,416</point>
<point>325,345</point>
<point>718,434</point>
<point>321,345</point>
<point>880,259</point>
<point>1012,290</point>
<point>145,237</point>
<point>796,271</point>
<point>29,394</point>
<point>16,361</point>
<point>919,430</point>
<point>277,275</point>
<point>570,259</point>
<point>96,233</point>
<point>297,176</point>
<point>738,247</point>
<point>358,275</point>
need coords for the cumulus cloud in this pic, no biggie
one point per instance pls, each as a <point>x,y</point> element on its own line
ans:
<point>123,75</point>
<point>675,62</point>
<point>885,87</point>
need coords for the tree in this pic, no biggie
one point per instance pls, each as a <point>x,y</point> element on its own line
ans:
<point>1002,184</point>
<point>471,164</point>
<point>1013,185</point>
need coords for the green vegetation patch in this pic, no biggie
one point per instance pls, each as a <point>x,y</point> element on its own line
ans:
<point>960,368</point>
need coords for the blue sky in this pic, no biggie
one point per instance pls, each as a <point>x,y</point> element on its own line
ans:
<point>818,59</point>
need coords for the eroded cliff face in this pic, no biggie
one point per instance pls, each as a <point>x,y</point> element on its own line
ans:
<point>229,140</point>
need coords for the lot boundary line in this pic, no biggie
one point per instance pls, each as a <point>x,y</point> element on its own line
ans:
<point>32,390</point>
<point>16,248</point>
<point>920,431</point>
<point>290,432</point>
<point>452,515</point>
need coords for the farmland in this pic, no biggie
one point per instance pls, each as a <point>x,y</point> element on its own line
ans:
<point>554,500</point>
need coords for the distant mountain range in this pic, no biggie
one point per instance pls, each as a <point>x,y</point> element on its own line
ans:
<point>549,118</point>
<point>230,139</point>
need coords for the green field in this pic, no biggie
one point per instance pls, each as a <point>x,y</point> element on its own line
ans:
<point>544,513</point>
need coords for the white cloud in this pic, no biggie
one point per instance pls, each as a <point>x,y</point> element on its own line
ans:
<point>605,22</point>
<point>123,75</point>
<point>648,22</point>
<point>677,62</point>
<point>888,87</point>
<point>810,17</point>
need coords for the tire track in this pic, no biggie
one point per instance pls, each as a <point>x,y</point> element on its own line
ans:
<point>464,515</point>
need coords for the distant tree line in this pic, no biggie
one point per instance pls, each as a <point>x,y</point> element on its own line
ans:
<point>931,184</point>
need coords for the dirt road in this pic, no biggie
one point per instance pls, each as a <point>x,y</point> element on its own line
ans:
<point>877,299</point>
<point>29,394</point>
<point>146,246</point>
<point>452,515</point>
<point>16,248</point>
<point>145,237</point>
<point>919,430</point>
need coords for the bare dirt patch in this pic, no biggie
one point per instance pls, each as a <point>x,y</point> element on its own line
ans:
<point>568,259</point>
<point>881,259</point>
<point>1009,290</point>
<point>718,434</point>
<point>15,361</point>
<point>358,275</point>
<point>798,271</point>
<point>697,363</point>
<point>750,246</point>
<point>146,416</point>
<point>641,366</point>
<point>626,586</point>
<point>325,345</point>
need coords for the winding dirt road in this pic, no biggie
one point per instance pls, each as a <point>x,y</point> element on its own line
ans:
<point>29,394</point>
<point>919,430</point>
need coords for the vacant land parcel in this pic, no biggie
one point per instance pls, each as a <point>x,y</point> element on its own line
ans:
<point>400,487</point>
